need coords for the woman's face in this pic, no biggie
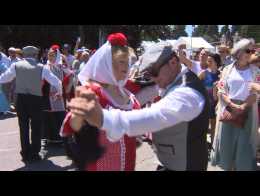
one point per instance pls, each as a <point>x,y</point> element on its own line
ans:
<point>244,56</point>
<point>120,64</point>
<point>52,56</point>
<point>203,56</point>
<point>211,63</point>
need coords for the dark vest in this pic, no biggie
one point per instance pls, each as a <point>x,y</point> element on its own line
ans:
<point>28,77</point>
<point>184,146</point>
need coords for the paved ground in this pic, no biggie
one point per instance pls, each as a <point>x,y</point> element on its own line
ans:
<point>57,161</point>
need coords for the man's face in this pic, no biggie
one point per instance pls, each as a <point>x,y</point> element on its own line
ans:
<point>84,57</point>
<point>12,54</point>
<point>167,73</point>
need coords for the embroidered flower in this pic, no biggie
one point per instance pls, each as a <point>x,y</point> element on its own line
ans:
<point>258,78</point>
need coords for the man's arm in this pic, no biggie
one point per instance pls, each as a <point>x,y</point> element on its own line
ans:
<point>8,75</point>
<point>184,60</point>
<point>184,104</point>
<point>52,79</point>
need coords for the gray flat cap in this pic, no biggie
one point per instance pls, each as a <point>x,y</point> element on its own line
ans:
<point>30,50</point>
<point>156,54</point>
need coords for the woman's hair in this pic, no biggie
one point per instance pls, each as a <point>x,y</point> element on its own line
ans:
<point>241,45</point>
<point>216,57</point>
<point>124,49</point>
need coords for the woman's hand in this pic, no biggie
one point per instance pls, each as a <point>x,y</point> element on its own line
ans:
<point>254,87</point>
<point>76,122</point>
<point>237,109</point>
<point>86,106</point>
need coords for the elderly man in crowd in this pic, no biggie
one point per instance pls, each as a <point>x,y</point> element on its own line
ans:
<point>29,75</point>
<point>224,53</point>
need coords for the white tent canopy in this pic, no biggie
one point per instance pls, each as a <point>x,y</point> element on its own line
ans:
<point>172,42</point>
<point>146,44</point>
<point>193,43</point>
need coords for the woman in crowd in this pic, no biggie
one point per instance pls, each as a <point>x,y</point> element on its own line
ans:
<point>54,106</point>
<point>209,77</point>
<point>106,74</point>
<point>235,141</point>
<point>4,105</point>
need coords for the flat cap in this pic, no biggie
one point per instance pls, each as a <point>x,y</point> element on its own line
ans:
<point>157,53</point>
<point>12,49</point>
<point>30,50</point>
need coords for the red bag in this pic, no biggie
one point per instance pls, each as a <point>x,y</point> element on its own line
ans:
<point>237,120</point>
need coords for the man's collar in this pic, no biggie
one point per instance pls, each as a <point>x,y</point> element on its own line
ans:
<point>162,92</point>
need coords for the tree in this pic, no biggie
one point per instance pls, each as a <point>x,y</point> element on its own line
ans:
<point>235,28</point>
<point>45,35</point>
<point>200,30</point>
<point>253,31</point>
<point>212,33</point>
<point>136,33</point>
<point>224,30</point>
<point>209,32</point>
<point>178,31</point>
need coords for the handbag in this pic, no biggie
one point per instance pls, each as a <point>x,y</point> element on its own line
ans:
<point>237,120</point>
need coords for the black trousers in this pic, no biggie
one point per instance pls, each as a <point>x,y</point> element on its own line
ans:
<point>52,122</point>
<point>29,112</point>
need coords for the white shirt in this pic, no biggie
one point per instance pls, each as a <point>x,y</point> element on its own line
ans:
<point>5,59</point>
<point>181,104</point>
<point>70,58</point>
<point>196,67</point>
<point>16,59</point>
<point>10,74</point>
<point>238,82</point>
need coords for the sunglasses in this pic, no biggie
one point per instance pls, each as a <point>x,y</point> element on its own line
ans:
<point>248,51</point>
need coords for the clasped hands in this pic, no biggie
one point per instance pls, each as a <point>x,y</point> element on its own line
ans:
<point>84,108</point>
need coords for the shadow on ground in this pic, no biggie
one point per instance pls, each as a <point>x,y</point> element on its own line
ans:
<point>8,115</point>
<point>46,164</point>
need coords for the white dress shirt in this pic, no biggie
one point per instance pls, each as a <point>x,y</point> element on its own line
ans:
<point>196,67</point>
<point>181,104</point>
<point>5,60</point>
<point>10,74</point>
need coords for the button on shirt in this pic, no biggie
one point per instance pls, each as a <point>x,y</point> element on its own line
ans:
<point>10,74</point>
<point>180,104</point>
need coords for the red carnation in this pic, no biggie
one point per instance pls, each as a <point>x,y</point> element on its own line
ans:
<point>117,39</point>
<point>55,47</point>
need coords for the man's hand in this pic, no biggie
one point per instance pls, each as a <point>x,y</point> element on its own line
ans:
<point>86,105</point>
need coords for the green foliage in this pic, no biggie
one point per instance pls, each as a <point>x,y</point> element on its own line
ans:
<point>208,32</point>
<point>45,35</point>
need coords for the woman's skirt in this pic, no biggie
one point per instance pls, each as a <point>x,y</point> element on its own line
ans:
<point>233,149</point>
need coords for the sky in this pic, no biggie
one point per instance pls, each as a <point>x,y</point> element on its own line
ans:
<point>189,29</point>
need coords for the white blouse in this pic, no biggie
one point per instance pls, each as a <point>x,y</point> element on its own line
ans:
<point>238,82</point>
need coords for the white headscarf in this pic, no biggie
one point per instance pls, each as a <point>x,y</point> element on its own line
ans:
<point>58,60</point>
<point>99,68</point>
